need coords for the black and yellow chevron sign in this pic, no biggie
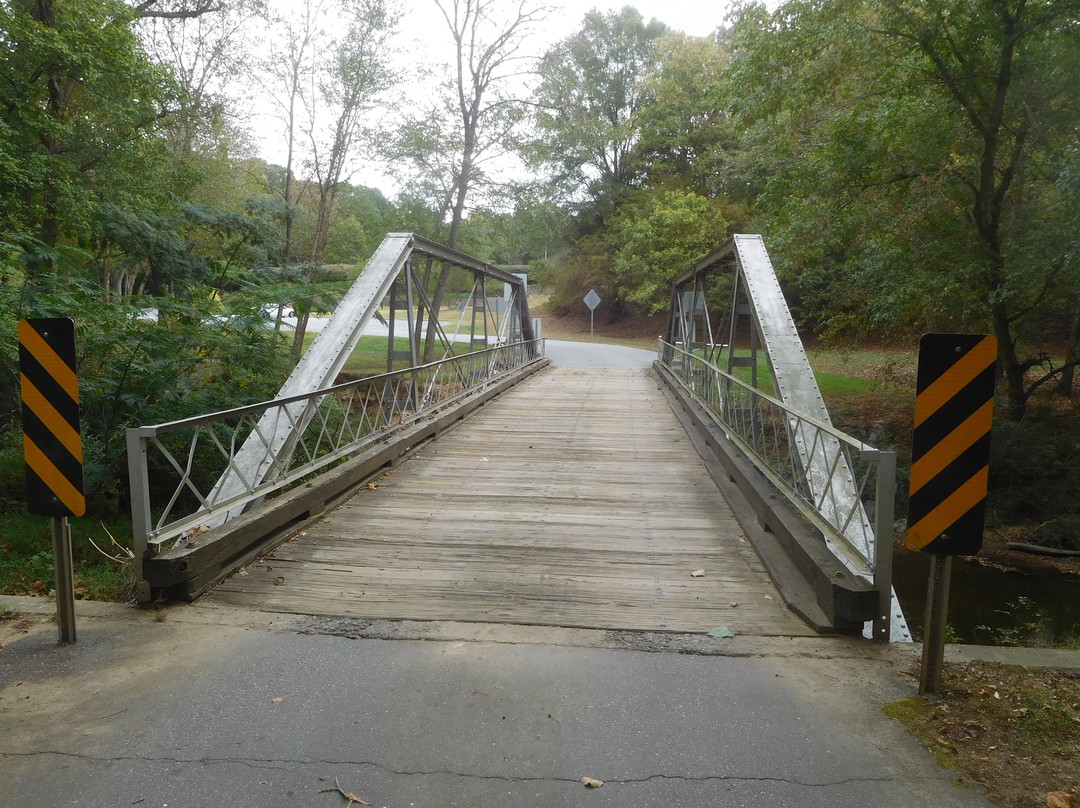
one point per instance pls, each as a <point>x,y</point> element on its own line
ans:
<point>52,442</point>
<point>950,458</point>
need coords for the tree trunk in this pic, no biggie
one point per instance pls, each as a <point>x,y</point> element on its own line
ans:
<point>1011,368</point>
<point>299,334</point>
<point>1072,354</point>
<point>455,230</point>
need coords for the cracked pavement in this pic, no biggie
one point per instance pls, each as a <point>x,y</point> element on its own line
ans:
<point>183,713</point>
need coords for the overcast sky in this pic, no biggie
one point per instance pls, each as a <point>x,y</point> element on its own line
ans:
<point>695,17</point>
<point>424,25</point>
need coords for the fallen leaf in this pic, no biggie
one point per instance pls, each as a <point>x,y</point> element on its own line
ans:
<point>352,798</point>
<point>942,742</point>
<point>278,700</point>
<point>722,632</point>
<point>589,782</point>
<point>697,574</point>
<point>1059,799</point>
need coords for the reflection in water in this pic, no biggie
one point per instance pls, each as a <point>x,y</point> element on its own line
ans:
<point>988,606</point>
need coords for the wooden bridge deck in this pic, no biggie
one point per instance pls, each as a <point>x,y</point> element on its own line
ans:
<point>574,500</point>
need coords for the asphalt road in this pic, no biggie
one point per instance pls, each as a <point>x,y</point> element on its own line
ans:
<point>596,355</point>
<point>183,713</point>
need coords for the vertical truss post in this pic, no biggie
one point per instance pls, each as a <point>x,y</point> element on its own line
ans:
<point>741,312</point>
<point>401,302</point>
<point>479,307</point>
<point>884,513</point>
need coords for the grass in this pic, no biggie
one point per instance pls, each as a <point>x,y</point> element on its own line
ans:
<point>369,356</point>
<point>26,557</point>
<point>830,383</point>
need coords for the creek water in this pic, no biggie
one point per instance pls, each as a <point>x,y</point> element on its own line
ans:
<point>988,606</point>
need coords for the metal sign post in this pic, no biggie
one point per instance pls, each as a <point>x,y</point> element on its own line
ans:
<point>950,464</point>
<point>65,578</point>
<point>592,300</point>
<point>937,611</point>
<point>52,444</point>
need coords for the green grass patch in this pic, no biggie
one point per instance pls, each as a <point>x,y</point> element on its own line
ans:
<point>1012,730</point>
<point>369,356</point>
<point>26,558</point>
<point>917,714</point>
<point>830,383</point>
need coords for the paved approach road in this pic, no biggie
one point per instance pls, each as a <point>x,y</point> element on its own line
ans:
<point>596,355</point>
<point>227,708</point>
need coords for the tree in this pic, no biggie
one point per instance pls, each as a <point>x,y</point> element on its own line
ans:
<point>356,72</point>
<point>659,238</point>
<point>360,226</point>
<point>79,101</point>
<point>685,130</point>
<point>176,9</point>
<point>324,81</point>
<point>488,58</point>
<point>205,50</point>
<point>915,160</point>
<point>590,94</point>
<point>345,87</point>
<point>1009,71</point>
<point>284,74</point>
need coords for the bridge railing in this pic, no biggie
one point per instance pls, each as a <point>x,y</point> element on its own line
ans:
<point>811,462</point>
<point>176,468</point>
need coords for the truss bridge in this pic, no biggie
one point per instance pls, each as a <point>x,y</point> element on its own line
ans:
<point>490,476</point>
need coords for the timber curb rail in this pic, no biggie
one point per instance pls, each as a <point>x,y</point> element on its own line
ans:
<point>813,583</point>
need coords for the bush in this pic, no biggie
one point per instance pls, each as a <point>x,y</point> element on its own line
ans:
<point>144,361</point>
<point>1062,533</point>
<point>1033,470</point>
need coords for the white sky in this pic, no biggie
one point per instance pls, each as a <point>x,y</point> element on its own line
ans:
<point>695,17</point>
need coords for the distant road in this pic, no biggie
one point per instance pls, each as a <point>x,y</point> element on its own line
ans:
<point>595,355</point>
<point>562,354</point>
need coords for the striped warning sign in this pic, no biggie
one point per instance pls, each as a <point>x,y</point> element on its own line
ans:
<point>50,409</point>
<point>950,458</point>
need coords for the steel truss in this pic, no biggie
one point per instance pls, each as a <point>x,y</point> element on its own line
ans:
<point>317,422</point>
<point>810,461</point>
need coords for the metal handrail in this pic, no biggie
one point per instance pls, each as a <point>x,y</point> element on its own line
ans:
<point>175,467</point>
<point>826,474</point>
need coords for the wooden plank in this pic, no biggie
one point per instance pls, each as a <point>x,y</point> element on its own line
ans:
<point>573,500</point>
